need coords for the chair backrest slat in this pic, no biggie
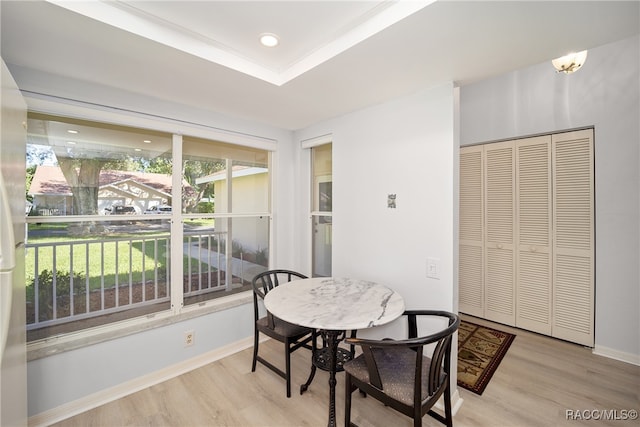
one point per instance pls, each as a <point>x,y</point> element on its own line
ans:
<point>438,369</point>
<point>374,374</point>
<point>413,325</point>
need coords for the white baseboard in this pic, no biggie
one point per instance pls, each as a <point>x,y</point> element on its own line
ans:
<point>633,359</point>
<point>456,401</point>
<point>94,400</point>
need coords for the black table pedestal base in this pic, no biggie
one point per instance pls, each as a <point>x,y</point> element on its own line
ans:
<point>329,358</point>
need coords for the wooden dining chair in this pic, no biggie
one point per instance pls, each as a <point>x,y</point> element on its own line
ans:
<point>398,374</point>
<point>292,336</point>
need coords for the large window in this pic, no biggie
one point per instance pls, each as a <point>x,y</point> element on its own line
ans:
<point>226,233</point>
<point>100,204</point>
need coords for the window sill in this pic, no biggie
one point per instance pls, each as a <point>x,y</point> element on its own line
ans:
<point>61,343</point>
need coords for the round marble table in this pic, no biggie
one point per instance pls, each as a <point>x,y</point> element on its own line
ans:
<point>333,305</point>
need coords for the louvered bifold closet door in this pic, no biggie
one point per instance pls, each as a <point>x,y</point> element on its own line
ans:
<point>534,210</point>
<point>499,232</point>
<point>573,252</point>
<point>471,272</point>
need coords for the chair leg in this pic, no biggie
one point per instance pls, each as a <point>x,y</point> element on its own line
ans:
<point>255,350</point>
<point>447,406</point>
<point>348,389</point>
<point>352,348</point>
<point>287,369</point>
<point>417,417</point>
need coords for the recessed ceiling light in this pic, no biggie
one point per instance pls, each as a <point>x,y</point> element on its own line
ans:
<point>269,39</point>
<point>147,141</point>
<point>71,143</point>
<point>72,131</point>
<point>138,149</point>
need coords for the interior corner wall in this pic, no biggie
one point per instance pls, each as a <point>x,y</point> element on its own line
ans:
<point>404,147</point>
<point>604,94</point>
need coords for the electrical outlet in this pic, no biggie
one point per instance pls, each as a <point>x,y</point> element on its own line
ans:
<point>189,338</point>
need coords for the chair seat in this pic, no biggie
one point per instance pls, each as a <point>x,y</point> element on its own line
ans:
<point>397,372</point>
<point>282,328</point>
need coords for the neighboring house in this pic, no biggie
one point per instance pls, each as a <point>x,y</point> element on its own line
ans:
<point>251,195</point>
<point>52,194</point>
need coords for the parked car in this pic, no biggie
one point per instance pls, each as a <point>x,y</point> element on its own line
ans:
<point>159,209</point>
<point>120,210</point>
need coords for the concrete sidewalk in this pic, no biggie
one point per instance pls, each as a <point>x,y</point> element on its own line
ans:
<point>239,268</point>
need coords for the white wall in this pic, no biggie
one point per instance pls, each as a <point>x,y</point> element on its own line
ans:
<point>404,147</point>
<point>60,379</point>
<point>605,94</point>
<point>407,147</point>
<point>285,193</point>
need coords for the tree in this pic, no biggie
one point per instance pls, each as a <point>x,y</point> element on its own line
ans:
<point>83,176</point>
<point>36,155</point>
<point>193,169</point>
<point>31,170</point>
<point>39,155</point>
<point>158,164</point>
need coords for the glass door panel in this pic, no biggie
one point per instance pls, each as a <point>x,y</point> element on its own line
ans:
<point>322,207</point>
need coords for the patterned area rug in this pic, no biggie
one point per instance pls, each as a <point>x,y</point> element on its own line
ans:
<point>480,350</point>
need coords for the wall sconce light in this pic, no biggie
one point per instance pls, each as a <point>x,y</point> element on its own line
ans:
<point>569,63</point>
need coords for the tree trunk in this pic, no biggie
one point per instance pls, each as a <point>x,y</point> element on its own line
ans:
<point>83,176</point>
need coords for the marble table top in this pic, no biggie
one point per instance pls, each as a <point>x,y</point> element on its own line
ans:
<point>334,303</point>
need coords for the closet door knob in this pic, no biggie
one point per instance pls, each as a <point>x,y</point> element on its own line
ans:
<point>533,249</point>
<point>499,245</point>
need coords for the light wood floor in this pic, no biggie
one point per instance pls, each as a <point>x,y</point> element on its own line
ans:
<point>539,379</point>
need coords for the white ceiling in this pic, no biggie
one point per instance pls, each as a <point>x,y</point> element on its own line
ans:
<point>334,56</point>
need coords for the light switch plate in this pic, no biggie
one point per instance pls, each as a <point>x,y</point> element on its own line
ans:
<point>391,201</point>
<point>433,268</point>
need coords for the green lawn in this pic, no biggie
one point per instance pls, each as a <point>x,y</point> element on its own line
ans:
<point>110,260</point>
<point>106,263</point>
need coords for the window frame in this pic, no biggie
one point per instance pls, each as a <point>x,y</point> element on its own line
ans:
<point>178,312</point>
<point>323,217</point>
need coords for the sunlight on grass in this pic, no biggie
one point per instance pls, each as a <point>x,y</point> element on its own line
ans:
<point>110,262</point>
<point>116,261</point>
